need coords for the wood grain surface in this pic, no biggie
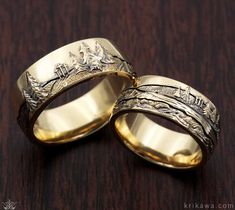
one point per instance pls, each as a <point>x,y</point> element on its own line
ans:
<point>189,40</point>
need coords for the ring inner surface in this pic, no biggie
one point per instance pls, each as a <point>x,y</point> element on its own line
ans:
<point>156,143</point>
<point>81,116</point>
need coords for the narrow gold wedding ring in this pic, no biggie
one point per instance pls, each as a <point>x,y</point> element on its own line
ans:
<point>177,102</point>
<point>59,71</point>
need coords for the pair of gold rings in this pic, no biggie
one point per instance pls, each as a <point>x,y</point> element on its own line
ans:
<point>128,102</point>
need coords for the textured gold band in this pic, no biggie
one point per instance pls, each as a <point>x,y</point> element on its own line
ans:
<point>57,72</point>
<point>177,102</point>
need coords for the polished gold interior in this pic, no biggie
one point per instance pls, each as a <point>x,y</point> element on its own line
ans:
<point>82,116</point>
<point>156,143</point>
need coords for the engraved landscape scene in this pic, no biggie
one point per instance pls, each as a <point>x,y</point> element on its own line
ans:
<point>88,62</point>
<point>191,111</point>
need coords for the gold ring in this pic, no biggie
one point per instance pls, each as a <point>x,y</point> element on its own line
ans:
<point>179,103</point>
<point>59,71</point>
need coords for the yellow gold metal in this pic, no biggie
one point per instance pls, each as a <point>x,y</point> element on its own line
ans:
<point>61,70</point>
<point>174,101</point>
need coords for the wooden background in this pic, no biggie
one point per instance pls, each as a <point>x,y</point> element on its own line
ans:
<point>191,41</point>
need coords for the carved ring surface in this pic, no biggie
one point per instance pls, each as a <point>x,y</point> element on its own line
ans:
<point>177,102</point>
<point>61,70</point>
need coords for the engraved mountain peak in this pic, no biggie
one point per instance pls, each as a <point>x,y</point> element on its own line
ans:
<point>88,59</point>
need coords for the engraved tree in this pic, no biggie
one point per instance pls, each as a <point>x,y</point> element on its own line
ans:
<point>35,94</point>
<point>96,59</point>
<point>74,60</point>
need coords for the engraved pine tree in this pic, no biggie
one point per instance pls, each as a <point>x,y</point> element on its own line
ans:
<point>74,60</point>
<point>35,93</point>
<point>94,59</point>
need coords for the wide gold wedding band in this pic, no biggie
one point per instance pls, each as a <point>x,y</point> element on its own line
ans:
<point>59,71</point>
<point>133,121</point>
<point>132,105</point>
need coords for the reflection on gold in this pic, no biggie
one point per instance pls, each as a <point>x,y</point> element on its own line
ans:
<point>156,143</point>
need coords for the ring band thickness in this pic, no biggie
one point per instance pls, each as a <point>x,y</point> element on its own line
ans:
<point>177,102</point>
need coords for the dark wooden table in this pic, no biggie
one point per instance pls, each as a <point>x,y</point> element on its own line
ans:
<point>191,41</point>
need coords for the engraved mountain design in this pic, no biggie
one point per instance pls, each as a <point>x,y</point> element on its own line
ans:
<point>35,94</point>
<point>80,66</point>
<point>88,60</point>
<point>144,99</point>
<point>92,59</point>
<point>201,107</point>
<point>196,102</point>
